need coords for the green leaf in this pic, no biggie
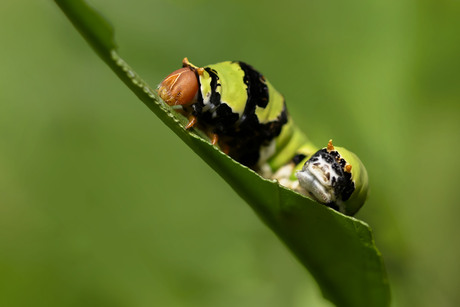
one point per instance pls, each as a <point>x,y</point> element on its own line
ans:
<point>338,250</point>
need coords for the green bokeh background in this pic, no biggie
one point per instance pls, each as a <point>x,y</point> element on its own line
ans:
<point>101,205</point>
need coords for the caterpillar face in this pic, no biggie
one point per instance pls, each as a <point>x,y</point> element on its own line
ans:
<point>328,177</point>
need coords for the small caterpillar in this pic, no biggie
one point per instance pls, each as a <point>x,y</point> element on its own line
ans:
<point>247,118</point>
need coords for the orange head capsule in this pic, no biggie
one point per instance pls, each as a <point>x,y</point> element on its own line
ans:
<point>179,88</point>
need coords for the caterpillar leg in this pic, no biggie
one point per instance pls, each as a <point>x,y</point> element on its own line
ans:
<point>214,138</point>
<point>192,120</point>
<point>225,149</point>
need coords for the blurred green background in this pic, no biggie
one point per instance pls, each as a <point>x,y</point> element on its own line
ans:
<point>94,209</point>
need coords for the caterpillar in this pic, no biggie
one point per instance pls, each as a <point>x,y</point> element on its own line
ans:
<point>247,118</point>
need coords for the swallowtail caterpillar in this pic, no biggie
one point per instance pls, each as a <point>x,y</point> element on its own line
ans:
<point>247,118</point>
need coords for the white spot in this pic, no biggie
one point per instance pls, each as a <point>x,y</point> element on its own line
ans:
<point>207,98</point>
<point>265,171</point>
<point>283,176</point>
<point>266,152</point>
<point>284,172</point>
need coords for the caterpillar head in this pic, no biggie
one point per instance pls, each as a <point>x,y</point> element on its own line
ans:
<point>335,177</point>
<point>181,86</point>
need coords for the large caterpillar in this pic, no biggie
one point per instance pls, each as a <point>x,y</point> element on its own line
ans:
<point>247,118</point>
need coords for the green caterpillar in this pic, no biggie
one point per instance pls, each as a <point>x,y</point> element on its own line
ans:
<point>247,118</point>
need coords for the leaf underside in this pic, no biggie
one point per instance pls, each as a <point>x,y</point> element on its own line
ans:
<point>338,250</point>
